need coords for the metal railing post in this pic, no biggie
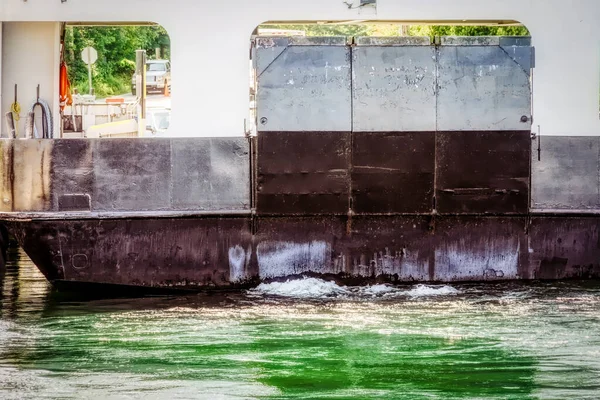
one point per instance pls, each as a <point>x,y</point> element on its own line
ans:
<point>140,83</point>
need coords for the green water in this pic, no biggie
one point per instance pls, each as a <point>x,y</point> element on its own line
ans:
<point>505,341</point>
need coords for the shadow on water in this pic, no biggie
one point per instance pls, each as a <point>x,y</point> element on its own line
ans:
<point>25,292</point>
<point>22,287</point>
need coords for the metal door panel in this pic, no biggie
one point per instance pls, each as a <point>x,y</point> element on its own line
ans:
<point>393,88</point>
<point>393,172</point>
<point>482,172</point>
<point>482,88</point>
<point>304,88</point>
<point>303,172</point>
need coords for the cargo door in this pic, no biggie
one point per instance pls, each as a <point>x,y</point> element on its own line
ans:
<point>303,125</point>
<point>394,119</point>
<point>483,125</point>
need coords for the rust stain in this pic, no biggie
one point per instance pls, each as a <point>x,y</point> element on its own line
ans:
<point>11,174</point>
<point>42,176</point>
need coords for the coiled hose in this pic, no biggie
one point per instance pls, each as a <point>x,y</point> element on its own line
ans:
<point>47,124</point>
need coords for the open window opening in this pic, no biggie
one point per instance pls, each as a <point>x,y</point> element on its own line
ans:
<point>85,80</point>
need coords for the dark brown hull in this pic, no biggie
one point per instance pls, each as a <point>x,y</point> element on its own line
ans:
<point>235,252</point>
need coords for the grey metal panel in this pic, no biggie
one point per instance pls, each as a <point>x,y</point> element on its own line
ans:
<point>132,174</point>
<point>392,41</point>
<point>72,172</point>
<point>481,88</point>
<point>394,88</point>
<point>210,173</point>
<point>566,176</point>
<point>305,88</point>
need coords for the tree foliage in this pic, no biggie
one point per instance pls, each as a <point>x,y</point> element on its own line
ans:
<point>325,29</point>
<point>458,30</point>
<point>403,30</point>
<point>116,46</point>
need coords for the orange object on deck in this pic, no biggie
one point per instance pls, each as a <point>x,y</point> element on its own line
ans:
<point>65,87</point>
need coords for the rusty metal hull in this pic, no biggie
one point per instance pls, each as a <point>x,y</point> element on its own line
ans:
<point>236,252</point>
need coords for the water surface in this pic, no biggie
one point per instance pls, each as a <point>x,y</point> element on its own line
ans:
<point>301,340</point>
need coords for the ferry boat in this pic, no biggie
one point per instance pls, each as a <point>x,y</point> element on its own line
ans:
<point>374,159</point>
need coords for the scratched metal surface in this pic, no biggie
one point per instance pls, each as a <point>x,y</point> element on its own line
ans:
<point>481,88</point>
<point>305,88</point>
<point>393,88</point>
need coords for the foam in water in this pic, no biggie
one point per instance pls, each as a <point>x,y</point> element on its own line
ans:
<point>306,288</point>
<point>377,290</point>
<point>425,290</point>
<point>301,288</point>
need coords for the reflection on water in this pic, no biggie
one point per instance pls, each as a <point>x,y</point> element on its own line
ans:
<point>304,339</point>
